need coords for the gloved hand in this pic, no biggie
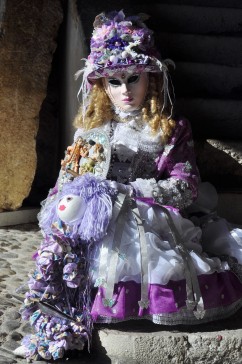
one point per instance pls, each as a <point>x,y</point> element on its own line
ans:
<point>122,188</point>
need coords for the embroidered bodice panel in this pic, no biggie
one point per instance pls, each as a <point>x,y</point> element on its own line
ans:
<point>168,174</point>
<point>134,152</point>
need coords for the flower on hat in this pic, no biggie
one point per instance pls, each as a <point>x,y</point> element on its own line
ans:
<point>119,42</point>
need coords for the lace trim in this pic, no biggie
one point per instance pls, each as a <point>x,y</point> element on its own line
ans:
<point>183,317</point>
<point>134,117</point>
<point>173,192</point>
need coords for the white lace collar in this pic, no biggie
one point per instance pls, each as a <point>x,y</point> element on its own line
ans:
<point>126,115</point>
<point>133,119</point>
<point>131,131</point>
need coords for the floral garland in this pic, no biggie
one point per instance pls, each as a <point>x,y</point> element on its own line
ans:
<point>57,304</point>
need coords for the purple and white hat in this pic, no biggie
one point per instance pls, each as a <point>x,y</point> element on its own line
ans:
<point>120,43</point>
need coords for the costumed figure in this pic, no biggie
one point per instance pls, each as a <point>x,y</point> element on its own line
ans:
<point>127,233</point>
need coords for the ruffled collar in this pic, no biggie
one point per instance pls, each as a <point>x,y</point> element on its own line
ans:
<point>123,114</point>
<point>132,118</point>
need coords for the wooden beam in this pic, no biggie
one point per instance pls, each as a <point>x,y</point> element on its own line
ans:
<point>212,118</point>
<point>207,80</point>
<point>201,48</point>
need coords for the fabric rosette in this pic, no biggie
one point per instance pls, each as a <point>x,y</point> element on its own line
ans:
<point>72,274</point>
<point>53,338</point>
<point>48,264</point>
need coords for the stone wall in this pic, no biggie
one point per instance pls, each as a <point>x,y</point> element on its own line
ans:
<point>26,50</point>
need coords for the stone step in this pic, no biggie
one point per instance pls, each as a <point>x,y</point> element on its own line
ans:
<point>24,215</point>
<point>142,342</point>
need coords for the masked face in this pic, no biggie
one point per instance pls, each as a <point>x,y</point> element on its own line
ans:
<point>127,91</point>
<point>71,208</point>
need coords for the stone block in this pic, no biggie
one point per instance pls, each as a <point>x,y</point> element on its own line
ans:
<point>30,31</point>
<point>169,347</point>
<point>220,162</point>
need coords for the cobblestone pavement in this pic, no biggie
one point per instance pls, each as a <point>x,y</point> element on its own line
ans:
<point>17,245</point>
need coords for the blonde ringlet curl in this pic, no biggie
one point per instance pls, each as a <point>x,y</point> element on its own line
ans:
<point>152,110</point>
<point>99,109</point>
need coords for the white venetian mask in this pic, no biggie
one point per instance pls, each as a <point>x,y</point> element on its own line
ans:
<point>127,91</point>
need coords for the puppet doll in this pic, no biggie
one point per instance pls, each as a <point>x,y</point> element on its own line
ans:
<point>116,245</point>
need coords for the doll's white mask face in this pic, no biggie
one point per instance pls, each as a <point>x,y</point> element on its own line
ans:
<point>127,91</point>
<point>70,208</point>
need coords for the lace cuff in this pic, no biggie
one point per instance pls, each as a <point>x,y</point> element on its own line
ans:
<point>173,192</point>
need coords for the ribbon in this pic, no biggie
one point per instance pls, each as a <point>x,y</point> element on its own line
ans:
<point>108,300</point>
<point>194,296</point>
<point>144,300</point>
<point>115,237</point>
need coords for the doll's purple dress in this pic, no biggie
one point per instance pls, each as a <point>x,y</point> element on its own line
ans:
<point>154,262</point>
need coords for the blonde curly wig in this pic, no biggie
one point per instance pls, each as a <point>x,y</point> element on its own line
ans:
<point>99,110</point>
<point>152,111</point>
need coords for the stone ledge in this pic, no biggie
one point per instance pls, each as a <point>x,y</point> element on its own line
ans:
<point>220,162</point>
<point>216,342</point>
<point>231,147</point>
<point>20,216</point>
